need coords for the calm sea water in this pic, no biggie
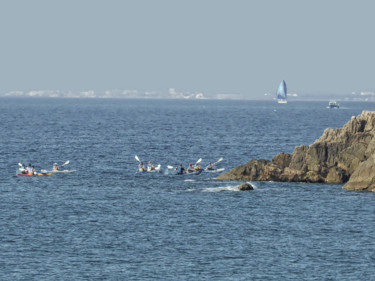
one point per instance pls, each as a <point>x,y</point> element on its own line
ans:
<point>106,222</point>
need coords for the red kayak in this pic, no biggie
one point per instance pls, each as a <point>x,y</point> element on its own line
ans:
<point>38,174</point>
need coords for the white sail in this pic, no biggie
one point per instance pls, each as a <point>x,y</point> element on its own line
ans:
<point>282,93</point>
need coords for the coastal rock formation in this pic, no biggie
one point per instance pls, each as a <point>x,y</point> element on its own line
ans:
<point>245,186</point>
<point>343,155</point>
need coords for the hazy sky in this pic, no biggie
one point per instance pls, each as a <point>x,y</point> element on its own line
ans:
<point>213,46</point>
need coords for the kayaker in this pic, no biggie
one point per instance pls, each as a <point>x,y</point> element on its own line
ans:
<point>197,167</point>
<point>179,170</point>
<point>190,168</point>
<point>150,166</point>
<point>29,170</point>
<point>141,168</point>
<point>23,169</point>
<point>55,167</point>
<point>210,166</point>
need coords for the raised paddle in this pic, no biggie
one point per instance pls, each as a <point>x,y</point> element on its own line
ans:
<point>221,159</point>
<point>211,167</point>
<point>199,160</point>
<point>66,163</point>
<point>136,158</point>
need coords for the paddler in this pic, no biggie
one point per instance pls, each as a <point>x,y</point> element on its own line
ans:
<point>23,169</point>
<point>141,167</point>
<point>190,168</point>
<point>179,170</point>
<point>150,166</point>
<point>197,167</point>
<point>210,166</point>
<point>55,167</point>
<point>30,170</point>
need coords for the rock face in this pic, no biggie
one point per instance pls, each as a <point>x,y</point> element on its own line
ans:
<point>343,155</point>
<point>245,186</point>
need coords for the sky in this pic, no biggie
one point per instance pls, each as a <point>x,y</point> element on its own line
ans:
<point>243,47</point>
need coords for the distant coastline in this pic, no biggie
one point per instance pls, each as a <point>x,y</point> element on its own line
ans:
<point>175,94</point>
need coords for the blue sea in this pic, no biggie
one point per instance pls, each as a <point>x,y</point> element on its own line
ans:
<point>107,222</point>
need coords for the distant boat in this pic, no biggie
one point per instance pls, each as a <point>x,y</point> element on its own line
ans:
<point>281,93</point>
<point>333,104</point>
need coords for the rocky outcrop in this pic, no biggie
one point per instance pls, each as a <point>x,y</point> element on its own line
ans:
<point>363,177</point>
<point>343,155</point>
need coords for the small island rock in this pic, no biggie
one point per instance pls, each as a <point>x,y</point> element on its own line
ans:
<point>343,155</point>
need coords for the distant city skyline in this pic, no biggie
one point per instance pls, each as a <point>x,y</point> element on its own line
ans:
<point>215,48</point>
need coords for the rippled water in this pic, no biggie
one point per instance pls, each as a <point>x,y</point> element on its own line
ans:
<point>107,222</point>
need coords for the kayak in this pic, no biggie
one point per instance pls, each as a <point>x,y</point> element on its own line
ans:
<point>23,170</point>
<point>60,171</point>
<point>37,174</point>
<point>195,172</point>
<point>214,170</point>
<point>156,170</point>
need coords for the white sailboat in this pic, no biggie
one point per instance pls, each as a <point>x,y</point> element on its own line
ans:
<point>281,93</point>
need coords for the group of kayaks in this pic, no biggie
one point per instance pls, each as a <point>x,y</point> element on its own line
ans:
<point>30,171</point>
<point>195,169</point>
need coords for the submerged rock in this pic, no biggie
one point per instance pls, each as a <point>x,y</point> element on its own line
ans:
<point>245,186</point>
<point>343,155</point>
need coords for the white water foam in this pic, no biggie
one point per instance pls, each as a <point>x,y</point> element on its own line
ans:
<point>221,188</point>
<point>218,188</point>
<point>225,188</point>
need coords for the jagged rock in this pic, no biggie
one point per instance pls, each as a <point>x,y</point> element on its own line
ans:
<point>252,170</point>
<point>245,186</point>
<point>336,174</point>
<point>343,155</point>
<point>298,161</point>
<point>282,160</point>
<point>363,177</point>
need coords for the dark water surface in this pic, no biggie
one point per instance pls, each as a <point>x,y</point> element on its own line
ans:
<point>105,222</point>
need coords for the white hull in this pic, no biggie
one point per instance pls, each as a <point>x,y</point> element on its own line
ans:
<point>157,169</point>
<point>60,171</point>
<point>214,170</point>
<point>333,104</point>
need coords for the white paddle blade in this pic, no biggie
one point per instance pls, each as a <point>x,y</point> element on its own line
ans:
<point>19,164</point>
<point>221,159</point>
<point>66,163</point>
<point>170,167</point>
<point>199,160</point>
<point>136,158</point>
